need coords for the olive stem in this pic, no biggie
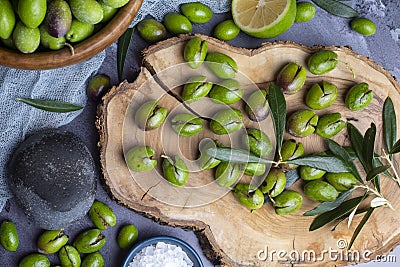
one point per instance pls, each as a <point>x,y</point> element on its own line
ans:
<point>369,189</point>
<point>71,48</point>
<point>386,156</point>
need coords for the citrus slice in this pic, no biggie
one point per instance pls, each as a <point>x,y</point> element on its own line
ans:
<point>264,18</point>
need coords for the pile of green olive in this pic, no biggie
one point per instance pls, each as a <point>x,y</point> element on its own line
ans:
<point>88,242</point>
<point>27,24</point>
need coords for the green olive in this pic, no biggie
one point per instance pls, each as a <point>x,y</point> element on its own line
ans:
<point>115,3</point>
<point>35,259</point>
<point>7,19</point>
<point>49,41</point>
<point>90,241</point>
<point>305,12</point>
<point>187,124</point>
<point>197,12</point>
<point>359,97</point>
<point>93,260</point>
<point>175,170</point>
<point>25,39</point>
<point>322,95</point>
<point>87,11</point>
<point>226,30</point>
<point>254,169</point>
<point>287,202</point>
<point>205,161</point>
<point>195,88</point>
<point>97,86</point>
<point>291,78</point>
<point>108,12</point>
<point>363,26</point>
<point>32,12</point>
<point>127,236</point>
<point>274,183</point>
<point>322,62</point>
<point>257,142</point>
<point>139,159</point>
<point>150,115</point>
<point>51,241</point>
<point>8,236</point>
<point>69,256</point>
<point>308,173</point>
<point>227,174</point>
<point>226,92</point>
<point>223,66</point>
<point>226,121</point>
<point>249,196</point>
<point>177,23</point>
<point>79,31</point>
<point>302,123</point>
<point>318,190</point>
<point>341,181</point>
<point>102,215</point>
<point>291,150</point>
<point>195,52</point>
<point>151,30</point>
<point>257,107</point>
<point>330,125</point>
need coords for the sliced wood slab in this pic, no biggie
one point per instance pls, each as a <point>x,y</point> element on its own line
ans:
<point>229,233</point>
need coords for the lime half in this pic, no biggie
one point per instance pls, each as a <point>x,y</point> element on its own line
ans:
<point>264,18</point>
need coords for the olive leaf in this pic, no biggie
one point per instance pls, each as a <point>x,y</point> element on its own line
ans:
<point>339,151</point>
<point>122,50</point>
<point>360,226</point>
<point>389,124</point>
<point>327,206</point>
<point>369,146</point>
<point>378,201</point>
<point>234,155</point>
<point>291,177</point>
<point>343,209</point>
<point>277,105</point>
<point>356,139</point>
<point>50,105</point>
<point>351,216</point>
<point>327,163</point>
<point>337,8</point>
<point>376,171</point>
<point>396,148</point>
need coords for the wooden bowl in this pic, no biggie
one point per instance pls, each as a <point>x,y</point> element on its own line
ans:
<point>83,50</point>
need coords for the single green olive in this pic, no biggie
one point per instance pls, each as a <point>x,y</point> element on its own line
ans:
<point>226,92</point>
<point>205,161</point>
<point>177,23</point>
<point>69,256</point>
<point>308,173</point>
<point>318,190</point>
<point>93,260</point>
<point>50,42</point>
<point>34,259</point>
<point>359,97</point>
<point>223,66</point>
<point>257,142</point>
<point>51,241</point>
<point>305,11</point>
<point>363,26</point>
<point>139,159</point>
<point>226,121</point>
<point>195,52</point>
<point>151,30</point>
<point>127,236</point>
<point>97,86</point>
<point>322,62</point>
<point>79,31</point>
<point>302,123</point>
<point>341,181</point>
<point>7,19</point>
<point>150,115</point>
<point>26,39</point>
<point>287,202</point>
<point>330,125</point>
<point>257,107</point>
<point>322,95</point>
<point>227,174</point>
<point>226,30</point>
<point>291,78</point>
<point>90,241</point>
<point>197,12</point>
<point>249,196</point>
<point>187,124</point>
<point>102,215</point>
<point>195,88</point>
<point>8,235</point>
<point>254,169</point>
<point>274,183</point>
<point>291,150</point>
<point>175,170</point>
<point>108,12</point>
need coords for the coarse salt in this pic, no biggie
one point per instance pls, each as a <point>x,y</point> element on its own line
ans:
<point>161,255</point>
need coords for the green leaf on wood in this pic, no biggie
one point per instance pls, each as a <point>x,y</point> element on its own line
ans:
<point>277,105</point>
<point>327,163</point>
<point>234,155</point>
<point>389,124</point>
<point>376,171</point>
<point>122,50</point>
<point>369,147</point>
<point>396,148</point>
<point>356,139</point>
<point>337,8</point>
<point>360,226</point>
<point>50,105</point>
<point>327,206</point>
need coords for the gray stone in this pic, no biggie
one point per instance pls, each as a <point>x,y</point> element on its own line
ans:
<point>52,176</point>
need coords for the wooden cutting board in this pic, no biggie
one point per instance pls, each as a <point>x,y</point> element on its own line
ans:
<point>229,233</point>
